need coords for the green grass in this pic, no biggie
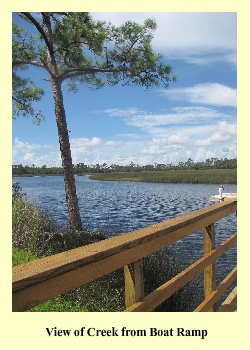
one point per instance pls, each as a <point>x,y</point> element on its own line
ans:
<point>211,176</point>
<point>58,304</point>
<point>21,256</point>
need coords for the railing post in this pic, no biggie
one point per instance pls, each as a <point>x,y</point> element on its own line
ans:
<point>209,271</point>
<point>134,283</point>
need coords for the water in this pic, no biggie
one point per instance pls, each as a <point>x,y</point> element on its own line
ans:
<point>119,207</point>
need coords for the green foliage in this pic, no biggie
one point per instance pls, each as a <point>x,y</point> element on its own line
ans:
<point>24,94</point>
<point>17,191</point>
<point>58,304</point>
<point>20,256</point>
<point>83,50</point>
<point>105,294</point>
<point>188,166</point>
<point>28,223</point>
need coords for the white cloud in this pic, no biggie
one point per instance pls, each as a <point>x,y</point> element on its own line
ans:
<point>25,146</point>
<point>83,143</point>
<point>133,136</point>
<point>113,144</point>
<point>29,157</point>
<point>196,34</point>
<point>225,132</point>
<point>194,115</point>
<point>118,112</point>
<point>203,143</point>
<point>209,93</point>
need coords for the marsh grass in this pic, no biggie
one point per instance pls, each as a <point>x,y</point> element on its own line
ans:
<point>210,176</point>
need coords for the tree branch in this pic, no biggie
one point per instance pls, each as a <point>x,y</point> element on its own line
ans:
<point>33,63</point>
<point>71,73</point>
<point>40,29</point>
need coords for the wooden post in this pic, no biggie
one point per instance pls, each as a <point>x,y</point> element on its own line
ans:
<point>209,271</point>
<point>134,284</point>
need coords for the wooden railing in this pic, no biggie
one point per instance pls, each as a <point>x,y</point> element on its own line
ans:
<point>43,279</point>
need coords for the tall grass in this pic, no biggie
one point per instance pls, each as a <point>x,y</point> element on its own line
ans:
<point>36,234</point>
<point>210,176</point>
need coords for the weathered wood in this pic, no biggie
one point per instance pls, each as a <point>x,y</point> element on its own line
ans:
<point>216,294</point>
<point>134,283</point>
<point>209,271</point>
<point>41,280</point>
<point>152,300</point>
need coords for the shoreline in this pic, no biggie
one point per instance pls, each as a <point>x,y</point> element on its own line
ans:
<point>209,176</point>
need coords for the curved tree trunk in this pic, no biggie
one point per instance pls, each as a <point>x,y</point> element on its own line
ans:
<point>69,179</point>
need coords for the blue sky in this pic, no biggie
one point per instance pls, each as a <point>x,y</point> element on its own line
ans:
<point>195,118</point>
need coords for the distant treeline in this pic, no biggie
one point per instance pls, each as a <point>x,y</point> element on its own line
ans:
<point>81,168</point>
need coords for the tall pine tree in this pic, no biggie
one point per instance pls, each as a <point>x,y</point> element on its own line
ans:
<point>73,47</point>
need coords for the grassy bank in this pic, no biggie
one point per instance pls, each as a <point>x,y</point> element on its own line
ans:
<point>211,176</point>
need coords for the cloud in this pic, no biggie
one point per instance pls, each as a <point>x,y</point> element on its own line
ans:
<point>29,156</point>
<point>189,36</point>
<point>118,112</point>
<point>194,115</point>
<point>176,139</point>
<point>81,144</point>
<point>133,136</point>
<point>225,133</point>
<point>209,93</point>
<point>25,146</point>
<point>113,144</point>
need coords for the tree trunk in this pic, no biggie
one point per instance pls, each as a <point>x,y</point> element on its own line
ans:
<point>69,179</point>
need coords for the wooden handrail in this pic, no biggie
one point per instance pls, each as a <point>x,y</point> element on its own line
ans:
<point>43,279</point>
<point>166,290</point>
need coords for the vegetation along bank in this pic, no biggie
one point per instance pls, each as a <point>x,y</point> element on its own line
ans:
<point>211,176</point>
<point>211,171</point>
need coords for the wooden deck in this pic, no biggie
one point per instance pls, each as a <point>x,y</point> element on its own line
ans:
<point>230,304</point>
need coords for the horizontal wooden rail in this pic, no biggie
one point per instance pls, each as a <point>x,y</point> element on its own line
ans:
<point>152,300</point>
<point>220,290</point>
<point>43,279</point>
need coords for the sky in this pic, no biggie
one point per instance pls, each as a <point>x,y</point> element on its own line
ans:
<point>196,117</point>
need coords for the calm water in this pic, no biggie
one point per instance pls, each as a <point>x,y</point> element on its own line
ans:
<point>119,207</point>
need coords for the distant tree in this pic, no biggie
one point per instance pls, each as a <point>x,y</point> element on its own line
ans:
<point>72,47</point>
